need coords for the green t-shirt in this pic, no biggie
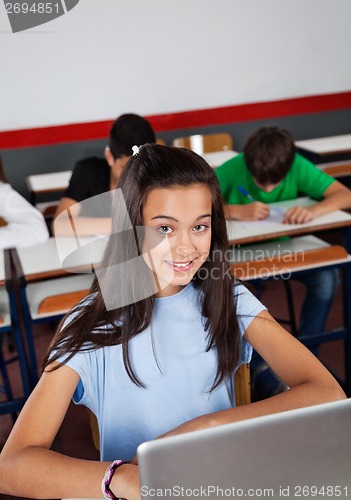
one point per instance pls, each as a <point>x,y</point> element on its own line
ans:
<point>303,177</point>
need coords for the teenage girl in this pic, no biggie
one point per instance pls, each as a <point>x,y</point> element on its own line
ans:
<point>164,364</point>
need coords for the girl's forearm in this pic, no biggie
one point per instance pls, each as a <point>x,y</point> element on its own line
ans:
<point>300,396</point>
<point>40,473</point>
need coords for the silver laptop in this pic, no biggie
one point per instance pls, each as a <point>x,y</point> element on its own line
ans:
<point>299,453</point>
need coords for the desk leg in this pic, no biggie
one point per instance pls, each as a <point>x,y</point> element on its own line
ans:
<point>27,326</point>
<point>33,198</point>
<point>347,311</point>
<point>20,346</point>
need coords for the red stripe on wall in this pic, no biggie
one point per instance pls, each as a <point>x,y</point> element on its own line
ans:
<point>46,136</point>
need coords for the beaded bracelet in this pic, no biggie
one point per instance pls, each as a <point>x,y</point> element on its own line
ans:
<point>105,485</point>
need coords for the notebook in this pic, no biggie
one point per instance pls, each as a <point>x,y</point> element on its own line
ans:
<point>298,453</point>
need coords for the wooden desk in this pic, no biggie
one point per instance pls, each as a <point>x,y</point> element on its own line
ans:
<point>39,184</point>
<point>47,289</point>
<point>59,257</point>
<point>217,158</point>
<point>41,261</point>
<point>43,267</point>
<point>283,258</point>
<point>240,232</point>
<point>48,183</point>
<point>336,168</point>
<point>326,146</point>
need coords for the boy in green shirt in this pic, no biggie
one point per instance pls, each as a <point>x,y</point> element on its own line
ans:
<point>268,171</point>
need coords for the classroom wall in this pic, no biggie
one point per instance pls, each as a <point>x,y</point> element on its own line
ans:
<point>21,162</point>
<point>160,59</point>
<point>107,57</point>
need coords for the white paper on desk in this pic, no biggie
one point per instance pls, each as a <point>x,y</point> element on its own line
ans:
<point>276,216</point>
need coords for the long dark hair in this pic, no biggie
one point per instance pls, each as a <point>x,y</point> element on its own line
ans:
<point>158,166</point>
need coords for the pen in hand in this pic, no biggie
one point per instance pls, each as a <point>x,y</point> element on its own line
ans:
<point>245,193</point>
<point>278,211</point>
<point>253,210</point>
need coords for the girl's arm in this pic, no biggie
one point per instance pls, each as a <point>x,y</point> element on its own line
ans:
<point>335,197</point>
<point>29,468</point>
<point>310,383</point>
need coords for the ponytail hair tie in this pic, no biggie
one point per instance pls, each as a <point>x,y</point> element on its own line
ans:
<point>135,150</point>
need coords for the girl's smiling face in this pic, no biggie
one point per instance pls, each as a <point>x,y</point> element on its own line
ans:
<point>178,234</point>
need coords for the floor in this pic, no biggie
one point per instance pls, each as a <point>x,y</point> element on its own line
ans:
<point>74,437</point>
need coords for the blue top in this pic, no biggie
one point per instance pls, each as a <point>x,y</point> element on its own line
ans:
<point>170,359</point>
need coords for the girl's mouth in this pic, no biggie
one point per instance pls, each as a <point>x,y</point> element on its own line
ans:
<point>181,266</point>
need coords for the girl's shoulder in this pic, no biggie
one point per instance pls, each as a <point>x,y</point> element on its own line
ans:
<point>246,302</point>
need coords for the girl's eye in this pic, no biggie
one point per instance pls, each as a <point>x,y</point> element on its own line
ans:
<point>165,229</point>
<point>200,228</point>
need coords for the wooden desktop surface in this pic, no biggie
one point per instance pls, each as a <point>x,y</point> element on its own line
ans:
<point>240,232</point>
<point>217,158</point>
<point>59,257</point>
<point>55,258</point>
<point>336,144</point>
<point>47,183</point>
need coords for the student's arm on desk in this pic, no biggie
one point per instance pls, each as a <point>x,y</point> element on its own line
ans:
<point>310,383</point>
<point>67,221</point>
<point>28,468</point>
<point>336,197</point>
<point>255,210</point>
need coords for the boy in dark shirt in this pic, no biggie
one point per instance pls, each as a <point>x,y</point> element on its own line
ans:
<point>94,176</point>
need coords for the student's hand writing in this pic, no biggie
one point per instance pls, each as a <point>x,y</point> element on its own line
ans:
<point>299,215</point>
<point>126,482</point>
<point>253,211</point>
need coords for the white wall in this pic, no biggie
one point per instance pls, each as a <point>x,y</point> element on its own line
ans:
<point>106,57</point>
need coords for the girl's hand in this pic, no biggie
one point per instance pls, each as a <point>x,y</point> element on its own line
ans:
<point>300,215</point>
<point>126,483</point>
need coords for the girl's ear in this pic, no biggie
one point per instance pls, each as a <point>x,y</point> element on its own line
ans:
<point>109,156</point>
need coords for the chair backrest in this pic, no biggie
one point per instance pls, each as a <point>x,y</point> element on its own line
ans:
<point>205,143</point>
<point>242,385</point>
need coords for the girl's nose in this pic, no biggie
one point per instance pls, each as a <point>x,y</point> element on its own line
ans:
<point>184,245</point>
